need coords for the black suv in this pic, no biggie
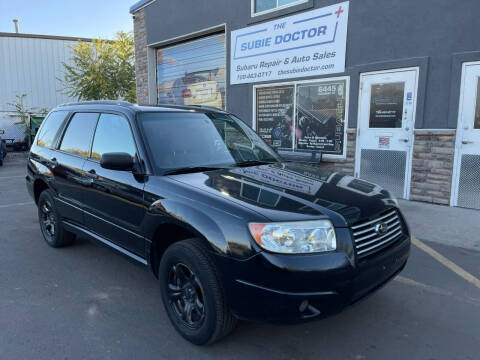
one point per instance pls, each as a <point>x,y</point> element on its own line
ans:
<point>230,230</point>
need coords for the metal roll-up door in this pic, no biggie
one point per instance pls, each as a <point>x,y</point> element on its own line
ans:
<point>192,72</point>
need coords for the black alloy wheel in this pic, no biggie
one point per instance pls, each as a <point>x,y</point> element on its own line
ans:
<point>51,222</point>
<point>48,220</point>
<point>193,294</point>
<point>186,296</point>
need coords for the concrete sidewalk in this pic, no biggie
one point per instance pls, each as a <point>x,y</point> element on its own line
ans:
<point>443,224</point>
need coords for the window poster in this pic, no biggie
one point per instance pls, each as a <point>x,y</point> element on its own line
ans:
<point>317,124</point>
<point>386,105</point>
<point>275,115</point>
<point>320,117</point>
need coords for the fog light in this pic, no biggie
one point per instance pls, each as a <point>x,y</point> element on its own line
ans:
<point>303,306</point>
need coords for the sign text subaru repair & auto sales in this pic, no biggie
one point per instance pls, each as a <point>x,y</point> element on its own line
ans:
<point>309,44</point>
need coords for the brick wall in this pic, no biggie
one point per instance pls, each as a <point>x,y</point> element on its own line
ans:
<point>345,166</point>
<point>141,65</point>
<point>432,166</point>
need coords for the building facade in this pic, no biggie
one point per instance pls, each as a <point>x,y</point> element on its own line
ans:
<point>31,64</point>
<point>386,90</point>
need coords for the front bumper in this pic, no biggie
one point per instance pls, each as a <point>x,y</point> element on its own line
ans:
<point>288,288</point>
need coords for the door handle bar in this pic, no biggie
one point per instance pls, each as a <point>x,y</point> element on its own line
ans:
<point>91,174</point>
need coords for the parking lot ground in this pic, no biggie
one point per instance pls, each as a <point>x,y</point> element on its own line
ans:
<point>88,302</point>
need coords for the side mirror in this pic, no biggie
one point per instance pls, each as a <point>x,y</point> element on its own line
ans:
<point>117,161</point>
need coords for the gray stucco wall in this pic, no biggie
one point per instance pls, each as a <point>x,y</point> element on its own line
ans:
<point>432,34</point>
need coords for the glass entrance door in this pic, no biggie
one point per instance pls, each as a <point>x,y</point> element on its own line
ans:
<point>386,120</point>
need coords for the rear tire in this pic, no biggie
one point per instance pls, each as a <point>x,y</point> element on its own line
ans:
<point>50,222</point>
<point>192,293</point>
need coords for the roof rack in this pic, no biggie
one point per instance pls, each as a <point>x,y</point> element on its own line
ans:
<point>99,102</point>
<point>189,107</point>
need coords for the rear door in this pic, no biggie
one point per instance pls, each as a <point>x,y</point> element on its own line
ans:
<point>67,165</point>
<point>114,199</point>
<point>43,147</point>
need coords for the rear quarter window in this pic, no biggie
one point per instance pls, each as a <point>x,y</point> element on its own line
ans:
<point>50,127</point>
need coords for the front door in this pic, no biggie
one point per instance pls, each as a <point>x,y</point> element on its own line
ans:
<point>466,184</point>
<point>114,199</point>
<point>386,119</point>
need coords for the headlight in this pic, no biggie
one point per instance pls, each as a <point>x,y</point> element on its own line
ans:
<point>295,237</point>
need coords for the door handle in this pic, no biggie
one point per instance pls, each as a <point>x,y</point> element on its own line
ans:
<point>465,142</point>
<point>404,140</point>
<point>53,162</point>
<point>92,174</point>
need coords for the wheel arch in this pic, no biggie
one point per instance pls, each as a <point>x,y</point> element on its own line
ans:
<point>170,221</point>
<point>168,233</point>
<point>39,185</point>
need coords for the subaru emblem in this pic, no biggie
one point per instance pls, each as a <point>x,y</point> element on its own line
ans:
<point>381,228</point>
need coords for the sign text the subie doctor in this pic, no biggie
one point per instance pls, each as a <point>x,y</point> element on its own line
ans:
<point>308,44</point>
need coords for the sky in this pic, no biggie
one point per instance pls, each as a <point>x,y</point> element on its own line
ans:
<point>77,18</point>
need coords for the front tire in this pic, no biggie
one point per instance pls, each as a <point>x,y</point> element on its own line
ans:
<point>192,293</point>
<point>50,222</point>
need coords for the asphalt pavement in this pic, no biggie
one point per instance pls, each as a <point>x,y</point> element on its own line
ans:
<point>88,302</point>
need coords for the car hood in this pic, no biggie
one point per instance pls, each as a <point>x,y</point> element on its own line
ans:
<point>294,191</point>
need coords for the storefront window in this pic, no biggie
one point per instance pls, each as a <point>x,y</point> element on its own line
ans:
<point>261,6</point>
<point>386,105</point>
<point>304,116</point>
<point>192,73</point>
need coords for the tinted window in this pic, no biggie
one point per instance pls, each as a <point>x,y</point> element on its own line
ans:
<point>78,135</point>
<point>112,135</point>
<point>50,128</point>
<point>386,105</point>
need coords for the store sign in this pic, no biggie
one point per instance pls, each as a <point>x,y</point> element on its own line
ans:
<point>311,43</point>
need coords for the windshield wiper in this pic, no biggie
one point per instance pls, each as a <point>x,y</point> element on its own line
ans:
<point>254,162</point>
<point>191,169</point>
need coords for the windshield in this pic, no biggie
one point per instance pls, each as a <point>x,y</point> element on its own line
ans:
<point>179,140</point>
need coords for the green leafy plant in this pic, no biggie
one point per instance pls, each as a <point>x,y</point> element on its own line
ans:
<point>24,113</point>
<point>102,69</point>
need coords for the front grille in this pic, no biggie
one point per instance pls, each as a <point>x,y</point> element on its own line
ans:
<point>368,240</point>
